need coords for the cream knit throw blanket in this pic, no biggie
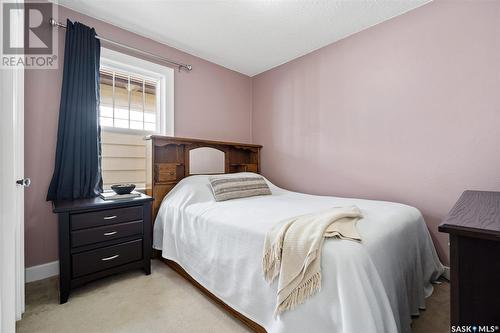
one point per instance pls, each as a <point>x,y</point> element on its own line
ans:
<point>292,250</point>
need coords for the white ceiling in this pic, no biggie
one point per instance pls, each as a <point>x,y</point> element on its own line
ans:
<point>248,36</point>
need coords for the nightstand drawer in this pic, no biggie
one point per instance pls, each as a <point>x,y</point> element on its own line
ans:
<point>106,257</point>
<point>109,232</point>
<point>105,217</point>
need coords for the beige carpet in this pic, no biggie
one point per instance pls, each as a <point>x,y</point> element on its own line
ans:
<point>160,302</point>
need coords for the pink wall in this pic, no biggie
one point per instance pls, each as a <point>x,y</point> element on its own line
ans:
<point>406,111</point>
<point>210,102</point>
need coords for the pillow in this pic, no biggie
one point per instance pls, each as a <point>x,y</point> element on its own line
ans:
<point>227,188</point>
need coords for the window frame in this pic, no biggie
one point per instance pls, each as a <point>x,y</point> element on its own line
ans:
<point>121,62</point>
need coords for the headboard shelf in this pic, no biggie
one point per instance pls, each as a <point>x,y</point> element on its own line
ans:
<point>161,139</point>
<point>244,167</point>
<point>167,172</point>
<point>168,161</point>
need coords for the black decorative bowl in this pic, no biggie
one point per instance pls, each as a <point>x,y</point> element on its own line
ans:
<point>123,188</point>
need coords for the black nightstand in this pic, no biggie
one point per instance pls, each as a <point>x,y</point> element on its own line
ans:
<point>98,238</point>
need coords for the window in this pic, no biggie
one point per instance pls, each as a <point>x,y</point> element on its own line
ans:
<point>137,98</point>
<point>129,101</point>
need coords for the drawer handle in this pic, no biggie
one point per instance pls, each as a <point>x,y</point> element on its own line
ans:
<point>110,233</point>
<point>110,217</point>
<point>110,258</point>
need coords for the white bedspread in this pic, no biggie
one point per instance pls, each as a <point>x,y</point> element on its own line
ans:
<point>374,286</point>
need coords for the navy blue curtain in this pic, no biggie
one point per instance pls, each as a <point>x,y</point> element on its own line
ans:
<point>77,170</point>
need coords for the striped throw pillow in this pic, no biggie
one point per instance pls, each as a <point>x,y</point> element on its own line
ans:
<point>227,188</point>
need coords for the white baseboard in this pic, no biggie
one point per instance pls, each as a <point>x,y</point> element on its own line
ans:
<point>43,271</point>
<point>446,273</point>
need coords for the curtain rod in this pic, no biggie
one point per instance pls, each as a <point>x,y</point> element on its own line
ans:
<point>179,66</point>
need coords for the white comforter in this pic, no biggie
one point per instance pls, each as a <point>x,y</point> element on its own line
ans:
<point>374,286</point>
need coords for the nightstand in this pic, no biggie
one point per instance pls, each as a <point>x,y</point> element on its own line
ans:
<point>474,228</point>
<point>98,238</point>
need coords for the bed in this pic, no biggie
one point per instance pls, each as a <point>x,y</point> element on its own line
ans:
<point>375,286</point>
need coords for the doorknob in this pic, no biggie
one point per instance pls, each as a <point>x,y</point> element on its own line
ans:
<point>26,182</point>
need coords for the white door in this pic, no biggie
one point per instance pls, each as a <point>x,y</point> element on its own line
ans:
<point>11,195</point>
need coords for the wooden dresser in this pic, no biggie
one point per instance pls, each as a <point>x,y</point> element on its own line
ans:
<point>99,238</point>
<point>474,228</point>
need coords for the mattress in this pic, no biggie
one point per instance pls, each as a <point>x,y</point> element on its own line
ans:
<point>372,286</point>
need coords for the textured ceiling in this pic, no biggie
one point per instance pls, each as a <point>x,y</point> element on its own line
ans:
<point>248,36</point>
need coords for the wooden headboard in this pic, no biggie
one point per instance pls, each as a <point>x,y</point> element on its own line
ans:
<point>168,161</point>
